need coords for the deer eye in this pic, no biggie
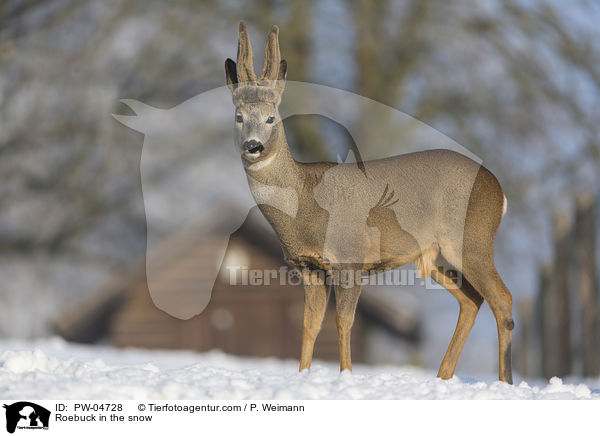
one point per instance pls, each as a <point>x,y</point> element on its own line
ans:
<point>238,118</point>
<point>270,120</point>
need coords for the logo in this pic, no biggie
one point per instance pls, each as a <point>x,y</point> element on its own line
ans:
<point>26,415</point>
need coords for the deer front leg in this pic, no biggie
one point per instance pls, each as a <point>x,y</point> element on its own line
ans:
<point>346,299</point>
<point>315,303</point>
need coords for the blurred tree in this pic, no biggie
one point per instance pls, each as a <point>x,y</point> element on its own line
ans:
<point>585,255</point>
<point>557,358</point>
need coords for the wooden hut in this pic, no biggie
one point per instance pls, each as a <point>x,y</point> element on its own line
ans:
<point>240,319</point>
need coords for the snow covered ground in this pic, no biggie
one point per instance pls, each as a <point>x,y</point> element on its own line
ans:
<point>53,369</point>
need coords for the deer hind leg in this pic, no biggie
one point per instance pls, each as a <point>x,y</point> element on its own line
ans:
<point>470,302</point>
<point>315,303</point>
<point>481,272</point>
<point>346,299</point>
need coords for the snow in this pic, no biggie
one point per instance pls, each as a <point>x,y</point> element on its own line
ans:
<point>55,369</point>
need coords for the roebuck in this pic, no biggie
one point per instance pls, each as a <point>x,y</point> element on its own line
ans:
<point>439,210</point>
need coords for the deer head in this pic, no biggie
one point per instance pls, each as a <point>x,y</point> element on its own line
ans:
<point>256,100</point>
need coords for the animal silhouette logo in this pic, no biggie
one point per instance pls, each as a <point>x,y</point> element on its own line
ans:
<point>190,174</point>
<point>198,131</point>
<point>26,415</point>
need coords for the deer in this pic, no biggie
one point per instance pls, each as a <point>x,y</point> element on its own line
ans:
<point>439,210</point>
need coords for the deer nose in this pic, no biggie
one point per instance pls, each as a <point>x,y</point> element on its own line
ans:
<point>253,146</point>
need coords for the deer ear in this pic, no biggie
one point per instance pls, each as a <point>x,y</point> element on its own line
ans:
<point>282,70</point>
<point>281,75</point>
<point>231,74</point>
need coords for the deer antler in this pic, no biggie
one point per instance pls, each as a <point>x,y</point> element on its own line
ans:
<point>274,68</point>
<point>271,62</point>
<point>245,58</point>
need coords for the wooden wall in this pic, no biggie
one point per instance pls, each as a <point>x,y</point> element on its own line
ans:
<point>241,320</point>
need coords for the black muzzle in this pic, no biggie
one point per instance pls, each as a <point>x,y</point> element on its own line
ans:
<point>253,146</point>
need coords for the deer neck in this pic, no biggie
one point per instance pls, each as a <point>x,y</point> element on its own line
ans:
<point>276,182</point>
<point>279,169</point>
